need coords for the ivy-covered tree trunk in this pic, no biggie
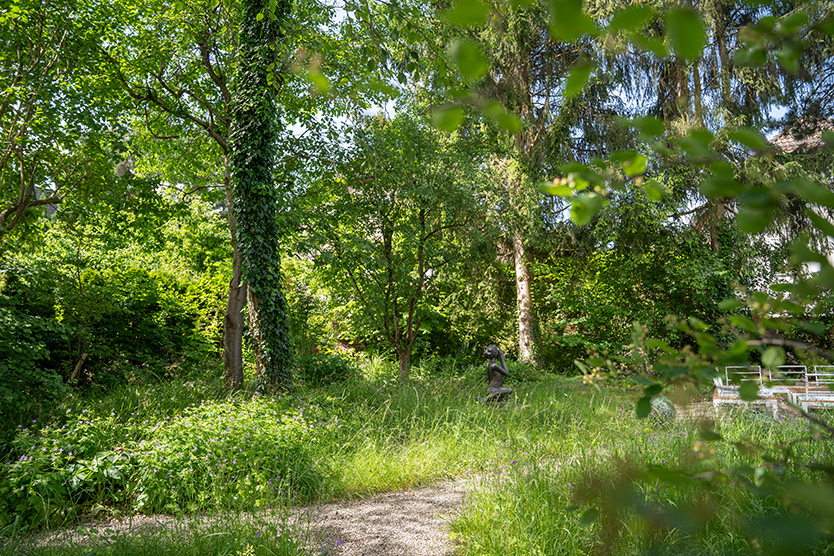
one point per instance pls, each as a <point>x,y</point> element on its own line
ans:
<point>252,144</point>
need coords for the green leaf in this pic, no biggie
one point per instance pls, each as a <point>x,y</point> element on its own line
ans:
<point>788,56</point>
<point>635,166</point>
<point>555,188</point>
<point>793,21</point>
<point>577,78</point>
<point>651,126</point>
<point>585,207</point>
<point>654,45</point>
<point>259,17</point>
<point>719,186</point>
<point>469,59</point>
<point>811,191</point>
<point>468,13</point>
<point>773,357</point>
<point>654,190</point>
<point>750,139</point>
<point>685,32</point>
<point>730,304</point>
<point>568,21</point>
<point>652,390</point>
<point>643,407</point>
<point>826,26</point>
<point>709,435</point>
<point>697,144</point>
<point>828,138</point>
<point>629,19</point>
<point>820,223</point>
<point>447,118</point>
<point>753,220</point>
<point>589,517</point>
<point>749,390</point>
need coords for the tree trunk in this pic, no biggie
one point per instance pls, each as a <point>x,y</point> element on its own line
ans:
<point>404,356</point>
<point>233,319</point>
<point>525,301</point>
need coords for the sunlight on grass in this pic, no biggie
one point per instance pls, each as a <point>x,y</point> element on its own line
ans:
<point>552,470</point>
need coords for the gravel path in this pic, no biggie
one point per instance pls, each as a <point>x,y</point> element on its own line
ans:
<point>406,523</point>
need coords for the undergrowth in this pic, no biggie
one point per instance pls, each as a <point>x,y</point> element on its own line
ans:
<point>563,468</point>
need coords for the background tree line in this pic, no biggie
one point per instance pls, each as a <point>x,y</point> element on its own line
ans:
<point>418,231</point>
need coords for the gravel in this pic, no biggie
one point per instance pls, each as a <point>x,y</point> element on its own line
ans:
<point>406,523</point>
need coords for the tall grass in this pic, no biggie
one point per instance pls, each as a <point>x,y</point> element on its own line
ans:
<point>231,537</point>
<point>562,469</point>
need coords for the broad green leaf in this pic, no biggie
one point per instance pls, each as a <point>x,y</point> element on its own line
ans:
<point>319,80</point>
<point>654,45</point>
<point>652,390</point>
<point>259,17</point>
<point>697,144</point>
<point>793,21</point>
<point>821,223</point>
<point>468,13</point>
<point>749,390</point>
<point>773,357</point>
<point>753,220</point>
<point>730,304</point>
<point>744,323</point>
<point>718,186</point>
<point>789,55</point>
<point>577,78</point>
<point>685,32</point>
<point>750,139</point>
<point>828,138</point>
<point>826,27</point>
<point>469,59</point>
<point>752,57</point>
<point>585,207</point>
<point>629,19</point>
<point>811,192</point>
<point>654,190</point>
<point>447,118</point>
<point>649,125</point>
<point>635,166</point>
<point>589,517</point>
<point>643,407</point>
<point>568,21</point>
<point>710,435</point>
<point>509,121</point>
<point>556,188</point>
<point>496,112</point>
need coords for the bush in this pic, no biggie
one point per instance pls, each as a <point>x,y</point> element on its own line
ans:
<point>321,369</point>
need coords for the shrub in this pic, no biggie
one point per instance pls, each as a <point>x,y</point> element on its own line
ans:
<point>320,369</point>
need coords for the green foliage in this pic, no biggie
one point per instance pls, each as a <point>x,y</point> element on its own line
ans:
<point>32,343</point>
<point>218,453</point>
<point>252,141</point>
<point>388,223</point>
<point>322,368</point>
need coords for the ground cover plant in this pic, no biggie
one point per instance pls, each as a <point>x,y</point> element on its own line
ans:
<point>537,463</point>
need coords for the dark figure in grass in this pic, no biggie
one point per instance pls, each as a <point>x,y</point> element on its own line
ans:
<point>495,374</point>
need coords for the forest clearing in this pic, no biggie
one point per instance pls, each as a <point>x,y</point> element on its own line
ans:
<point>570,260</point>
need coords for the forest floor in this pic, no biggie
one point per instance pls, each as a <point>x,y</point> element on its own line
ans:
<point>404,523</point>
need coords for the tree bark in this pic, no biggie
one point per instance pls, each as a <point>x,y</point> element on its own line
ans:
<point>523,277</point>
<point>404,357</point>
<point>233,319</point>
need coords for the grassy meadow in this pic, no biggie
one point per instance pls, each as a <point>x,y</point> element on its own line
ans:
<point>566,468</point>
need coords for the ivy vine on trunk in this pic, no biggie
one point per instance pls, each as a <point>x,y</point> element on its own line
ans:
<point>252,144</point>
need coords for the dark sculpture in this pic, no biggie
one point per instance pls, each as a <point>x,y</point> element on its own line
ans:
<point>495,374</point>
